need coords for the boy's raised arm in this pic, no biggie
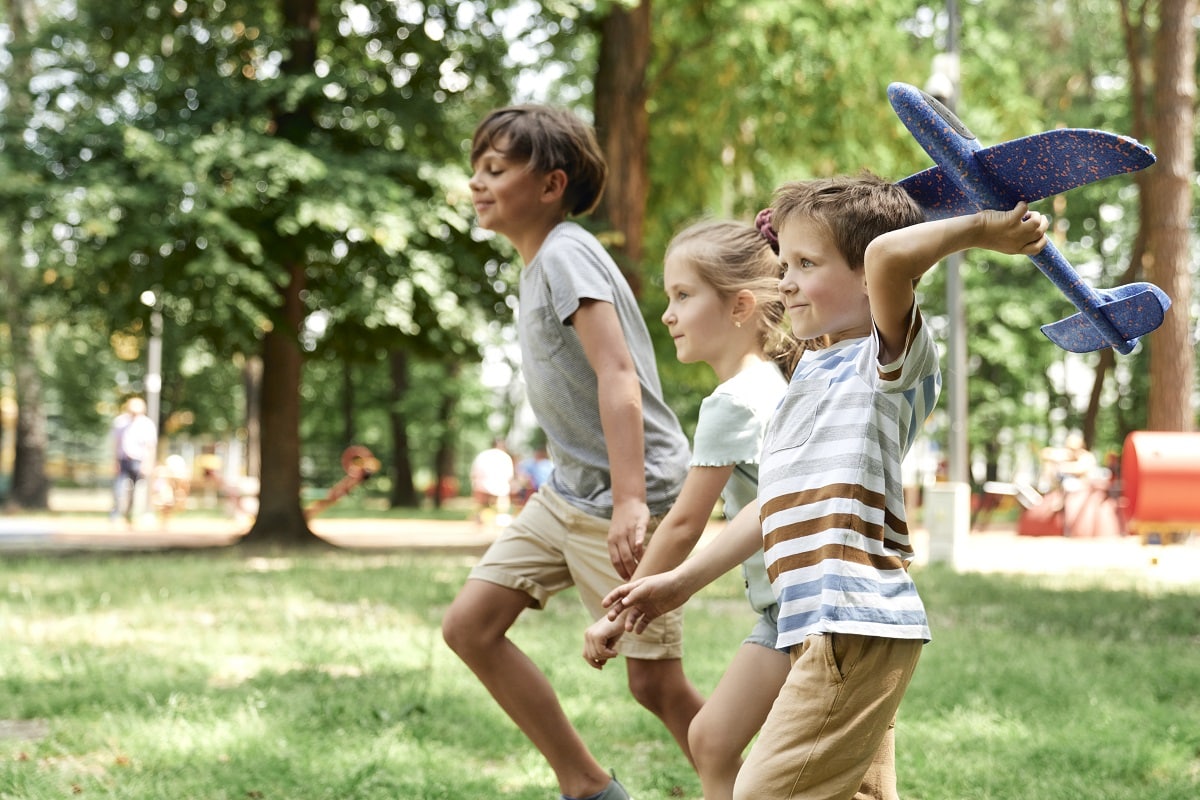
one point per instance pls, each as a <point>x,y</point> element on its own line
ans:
<point>895,260</point>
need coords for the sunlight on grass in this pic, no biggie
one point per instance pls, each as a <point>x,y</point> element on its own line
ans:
<point>323,675</point>
<point>984,725</point>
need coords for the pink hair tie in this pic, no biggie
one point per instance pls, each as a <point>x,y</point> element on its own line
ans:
<point>763,223</point>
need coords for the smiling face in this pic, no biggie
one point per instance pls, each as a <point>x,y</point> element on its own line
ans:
<point>698,318</point>
<point>506,193</point>
<point>823,295</point>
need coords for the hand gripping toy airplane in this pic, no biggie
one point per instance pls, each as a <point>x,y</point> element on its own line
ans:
<point>969,178</point>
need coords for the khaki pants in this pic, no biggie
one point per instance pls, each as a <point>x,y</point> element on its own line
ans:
<point>831,732</point>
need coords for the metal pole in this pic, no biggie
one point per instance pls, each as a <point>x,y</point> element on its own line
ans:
<point>957,346</point>
<point>948,505</point>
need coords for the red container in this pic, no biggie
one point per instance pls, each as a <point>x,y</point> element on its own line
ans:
<point>1160,477</point>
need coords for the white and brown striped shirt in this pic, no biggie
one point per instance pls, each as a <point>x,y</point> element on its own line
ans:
<point>835,534</point>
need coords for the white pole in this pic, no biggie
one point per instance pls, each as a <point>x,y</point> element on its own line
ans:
<point>153,395</point>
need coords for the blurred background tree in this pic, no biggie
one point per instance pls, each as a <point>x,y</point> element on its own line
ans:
<point>287,181</point>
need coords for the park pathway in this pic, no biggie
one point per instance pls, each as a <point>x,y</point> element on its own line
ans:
<point>998,549</point>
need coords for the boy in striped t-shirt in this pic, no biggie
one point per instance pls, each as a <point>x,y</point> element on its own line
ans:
<point>830,514</point>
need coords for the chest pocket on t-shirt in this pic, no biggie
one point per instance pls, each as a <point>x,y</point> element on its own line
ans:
<point>546,333</point>
<point>792,424</point>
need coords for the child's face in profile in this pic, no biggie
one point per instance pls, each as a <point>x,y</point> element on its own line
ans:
<point>699,320</point>
<point>504,192</point>
<point>823,295</point>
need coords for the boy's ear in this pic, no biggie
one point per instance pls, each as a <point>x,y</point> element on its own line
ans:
<point>554,185</point>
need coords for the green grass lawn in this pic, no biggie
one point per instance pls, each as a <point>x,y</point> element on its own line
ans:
<point>322,675</point>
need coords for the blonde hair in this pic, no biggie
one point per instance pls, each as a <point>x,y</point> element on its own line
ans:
<point>732,257</point>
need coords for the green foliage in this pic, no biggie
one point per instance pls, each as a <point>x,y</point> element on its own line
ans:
<point>784,93</point>
<point>170,148</point>
<point>177,152</point>
<point>192,174</point>
<point>349,403</point>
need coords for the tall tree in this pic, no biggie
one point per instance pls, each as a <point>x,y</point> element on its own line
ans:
<point>623,129</point>
<point>30,487</point>
<point>1168,212</point>
<point>280,518</point>
<point>258,163</point>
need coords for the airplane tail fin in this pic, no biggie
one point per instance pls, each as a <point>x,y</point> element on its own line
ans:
<point>1132,311</point>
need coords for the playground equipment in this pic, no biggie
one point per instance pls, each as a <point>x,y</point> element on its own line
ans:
<point>1160,484</point>
<point>1090,510</point>
<point>358,464</point>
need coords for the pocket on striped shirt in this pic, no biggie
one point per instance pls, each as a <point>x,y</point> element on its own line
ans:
<point>792,424</point>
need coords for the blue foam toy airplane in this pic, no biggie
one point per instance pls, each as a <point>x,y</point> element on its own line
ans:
<point>969,178</point>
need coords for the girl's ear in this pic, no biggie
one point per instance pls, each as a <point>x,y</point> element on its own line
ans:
<point>744,304</point>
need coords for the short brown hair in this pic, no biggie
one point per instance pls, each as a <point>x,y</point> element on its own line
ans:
<point>854,210</point>
<point>546,139</point>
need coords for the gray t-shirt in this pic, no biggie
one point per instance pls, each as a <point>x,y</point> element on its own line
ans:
<point>572,266</point>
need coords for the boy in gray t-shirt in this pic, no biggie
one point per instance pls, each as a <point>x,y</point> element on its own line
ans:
<point>618,451</point>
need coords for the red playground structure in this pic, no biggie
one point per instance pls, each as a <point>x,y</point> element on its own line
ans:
<point>1155,495</point>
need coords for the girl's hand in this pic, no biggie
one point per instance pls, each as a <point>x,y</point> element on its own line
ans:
<point>600,640</point>
<point>646,599</point>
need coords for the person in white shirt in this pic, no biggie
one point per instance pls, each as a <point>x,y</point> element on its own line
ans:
<point>134,436</point>
<point>492,474</point>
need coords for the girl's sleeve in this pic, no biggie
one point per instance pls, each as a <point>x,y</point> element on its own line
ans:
<point>727,432</point>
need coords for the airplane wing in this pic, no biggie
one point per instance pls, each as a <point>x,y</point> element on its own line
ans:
<point>938,195</point>
<point>1033,168</point>
<point>1045,164</point>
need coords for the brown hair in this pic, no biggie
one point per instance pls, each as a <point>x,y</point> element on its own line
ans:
<point>545,139</point>
<point>732,256</point>
<point>854,210</point>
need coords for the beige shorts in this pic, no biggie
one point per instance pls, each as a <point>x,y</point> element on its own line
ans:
<point>551,546</point>
<point>831,731</point>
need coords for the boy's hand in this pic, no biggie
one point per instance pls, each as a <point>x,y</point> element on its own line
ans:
<point>600,639</point>
<point>627,536</point>
<point>1019,231</point>
<point>646,599</point>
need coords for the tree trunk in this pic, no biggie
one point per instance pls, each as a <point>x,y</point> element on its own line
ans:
<point>444,466</point>
<point>623,128</point>
<point>252,387</point>
<point>404,491</point>
<point>280,519</point>
<point>1169,206</point>
<point>30,487</point>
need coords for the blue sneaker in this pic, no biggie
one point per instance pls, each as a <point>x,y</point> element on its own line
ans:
<point>614,791</point>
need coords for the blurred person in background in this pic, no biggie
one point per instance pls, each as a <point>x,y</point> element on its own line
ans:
<point>133,436</point>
